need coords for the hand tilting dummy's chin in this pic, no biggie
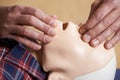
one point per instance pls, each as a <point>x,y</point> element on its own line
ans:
<point>68,57</point>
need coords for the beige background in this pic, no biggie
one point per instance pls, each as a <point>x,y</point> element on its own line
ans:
<point>66,10</point>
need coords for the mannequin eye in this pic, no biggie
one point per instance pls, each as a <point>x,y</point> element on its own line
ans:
<point>65,26</point>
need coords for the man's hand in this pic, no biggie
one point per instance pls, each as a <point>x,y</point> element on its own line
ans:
<point>14,22</point>
<point>103,23</point>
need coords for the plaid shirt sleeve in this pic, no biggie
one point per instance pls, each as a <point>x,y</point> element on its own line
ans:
<point>18,64</point>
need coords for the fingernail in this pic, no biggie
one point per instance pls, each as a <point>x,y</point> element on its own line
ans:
<point>53,23</point>
<point>37,47</point>
<point>95,43</point>
<point>108,46</point>
<point>86,38</point>
<point>47,39</point>
<point>82,29</point>
<point>51,32</point>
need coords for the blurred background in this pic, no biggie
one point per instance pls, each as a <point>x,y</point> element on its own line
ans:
<point>76,11</point>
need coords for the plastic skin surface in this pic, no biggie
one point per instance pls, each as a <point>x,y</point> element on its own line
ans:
<point>68,57</point>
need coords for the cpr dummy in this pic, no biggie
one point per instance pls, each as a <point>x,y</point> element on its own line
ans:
<point>67,57</point>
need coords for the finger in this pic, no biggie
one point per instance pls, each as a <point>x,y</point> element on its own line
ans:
<point>33,21</point>
<point>15,8</point>
<point>113,41</point>
<point>102,25</point>
<point>26,42</point>
<point>94,7</point>
<point>106,34</point>
<point>98,15</point>
<point>40,14</point>
<point>54,16</point>
<point>30,33</point>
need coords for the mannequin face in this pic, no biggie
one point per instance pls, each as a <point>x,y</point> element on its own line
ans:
<point>67,56</point>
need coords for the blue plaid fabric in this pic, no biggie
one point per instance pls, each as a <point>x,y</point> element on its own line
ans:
<point>117,76</point>
<point>16,63</point>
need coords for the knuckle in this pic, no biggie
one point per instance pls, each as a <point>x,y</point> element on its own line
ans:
<point>114,1</point>
<point>2,34</point>
<point>35,11</point>
<point>98,16</point>
<point>16,8</point>
<point>92,33</point>
<point>9,15</point>
<point>48,19</point>
<point>42,38</point>
<point>24,31</point>
<point>87,27</point>
<point>10,18</point>
<point>12,15</point>
<point>46,28</point>
<point>30,19</point>
<point>106,22</point>
<point>19,39</point>
<point>32,46</point>
<point>5,26</point>
<point>112,29</point>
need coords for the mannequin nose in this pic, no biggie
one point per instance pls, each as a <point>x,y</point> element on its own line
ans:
<point>64,26</point>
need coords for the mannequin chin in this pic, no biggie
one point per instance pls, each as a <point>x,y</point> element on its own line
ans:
<point>67,57</point>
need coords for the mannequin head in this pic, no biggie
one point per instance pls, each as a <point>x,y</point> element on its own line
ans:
<point>68,57</point>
